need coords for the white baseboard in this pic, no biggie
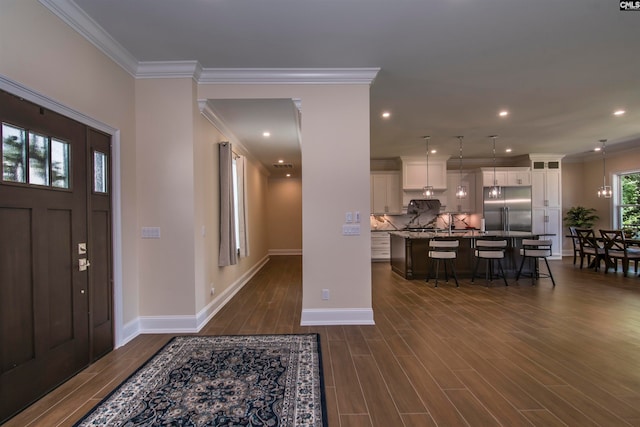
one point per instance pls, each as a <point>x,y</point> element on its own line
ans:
<point>216,304</point>
<point>276,252</point>
<point>185,324</point>
<point>337,316</point>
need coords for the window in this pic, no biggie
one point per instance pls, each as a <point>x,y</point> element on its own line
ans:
<point>239,205</point>
<point>100,177</point>
<point>628,209</point>
<point>35,159</point>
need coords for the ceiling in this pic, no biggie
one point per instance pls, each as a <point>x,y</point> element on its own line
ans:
<point>447,67</point>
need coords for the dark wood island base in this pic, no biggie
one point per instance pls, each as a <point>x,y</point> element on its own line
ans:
<point>409,252</point>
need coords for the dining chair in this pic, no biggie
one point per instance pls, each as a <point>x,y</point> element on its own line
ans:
<point>589,247</point>
<point>616,248</point>
<point>445,251</point>
<point>575,241</point>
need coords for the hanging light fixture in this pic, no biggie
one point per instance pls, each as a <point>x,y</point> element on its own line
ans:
<point>605,190</point>
<point>461,190</point>
<point>494,190</point>
<point>427,190</point>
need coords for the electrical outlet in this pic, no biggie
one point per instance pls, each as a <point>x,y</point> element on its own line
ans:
<point>213,291</point>
<point>325,294</point>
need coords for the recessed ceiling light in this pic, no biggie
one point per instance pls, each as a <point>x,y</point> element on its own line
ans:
<point>597,149</point>
<point>288,175</point>
<point>503,113</point>
<point>266,134</point>
<point>508,150</point>
<point>433,151</point>
<point>386,115</point>
<point>619,112</point>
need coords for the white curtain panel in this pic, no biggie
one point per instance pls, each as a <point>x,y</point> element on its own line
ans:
<point>227,255</point>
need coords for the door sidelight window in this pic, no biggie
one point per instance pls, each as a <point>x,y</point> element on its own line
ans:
<point>100,174</point>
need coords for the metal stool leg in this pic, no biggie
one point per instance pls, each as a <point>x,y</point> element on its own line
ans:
<point>502,272</point>
<point>550,274</point>
<point>453,271</point>
<point>475,269</point>
<point>520,269</point>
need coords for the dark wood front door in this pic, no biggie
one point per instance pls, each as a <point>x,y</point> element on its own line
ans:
<point>46,233</point>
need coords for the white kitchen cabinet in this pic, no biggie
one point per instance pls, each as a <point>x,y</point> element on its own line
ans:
<point>386,197</point>
<point>546,188</point>
<point>516,178</point>
<point>380,246</point>
<point>548,221</point>
<point>546,199</point>
<point>414,173</point>
<point>453,204</point>
<point>489,179</point>
<point>506,177</point>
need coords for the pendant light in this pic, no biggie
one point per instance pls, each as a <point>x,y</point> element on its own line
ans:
<point>605,190</point>
<point>427,190</point>
<point>461,190</point>
<point>494,190</point>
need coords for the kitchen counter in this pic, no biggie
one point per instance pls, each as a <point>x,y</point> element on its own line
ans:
<point>409,251</point>
<point>465,234</point>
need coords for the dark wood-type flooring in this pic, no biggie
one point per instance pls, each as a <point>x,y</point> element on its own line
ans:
<point>481,356</point>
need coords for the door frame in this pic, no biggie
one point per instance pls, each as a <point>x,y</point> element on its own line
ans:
<point>28,94</point>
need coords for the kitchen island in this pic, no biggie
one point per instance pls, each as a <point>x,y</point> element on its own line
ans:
<point>409,251</point>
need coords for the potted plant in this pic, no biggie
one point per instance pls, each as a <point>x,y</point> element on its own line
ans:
<point>581,217</point>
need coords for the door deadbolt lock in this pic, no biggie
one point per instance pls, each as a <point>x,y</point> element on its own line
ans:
<point>82,248</point>
<point>83,264</point>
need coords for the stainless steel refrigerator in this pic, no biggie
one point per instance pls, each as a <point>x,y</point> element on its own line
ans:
<point>510,212</point>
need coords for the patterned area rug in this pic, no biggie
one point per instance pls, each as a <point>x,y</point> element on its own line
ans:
<point>252,380</point>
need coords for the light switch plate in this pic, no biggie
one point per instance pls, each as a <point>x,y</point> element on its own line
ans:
<point>150,232</point>
<point>351,229</point>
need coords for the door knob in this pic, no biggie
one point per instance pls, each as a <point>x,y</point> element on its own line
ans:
<point>83,264</point>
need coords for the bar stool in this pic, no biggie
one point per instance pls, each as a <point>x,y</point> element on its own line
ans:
<point>490,251</point>
<point>535,250</point>
<point>445,250</point>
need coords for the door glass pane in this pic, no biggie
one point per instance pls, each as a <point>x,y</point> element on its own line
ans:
<point>14,153</point>
<point>100,172</point>
<point>59,164</point>
<point>38,159</point>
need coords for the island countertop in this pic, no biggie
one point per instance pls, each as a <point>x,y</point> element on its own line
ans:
<point>464,234</point>
<point>409,250</point>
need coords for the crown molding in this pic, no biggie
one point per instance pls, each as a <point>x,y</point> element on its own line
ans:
<point>289,75</point>
<point>77,19</point>
<point>210,114</point>
<point>169,70</point>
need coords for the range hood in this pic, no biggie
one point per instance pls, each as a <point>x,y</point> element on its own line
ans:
<point>422,206</point>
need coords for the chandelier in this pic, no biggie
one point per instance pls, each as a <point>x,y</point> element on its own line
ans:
<point>605,190</point>
<point>427,190</point>
<point>494,190</point>
<point>461,190</point>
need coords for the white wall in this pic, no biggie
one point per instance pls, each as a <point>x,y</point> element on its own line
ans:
<point>164,131</point>
<point>284,215</point>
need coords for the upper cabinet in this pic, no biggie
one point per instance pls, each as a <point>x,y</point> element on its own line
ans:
<point>414,173</point>
<point>385,193</point>
<point>506,176</point>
